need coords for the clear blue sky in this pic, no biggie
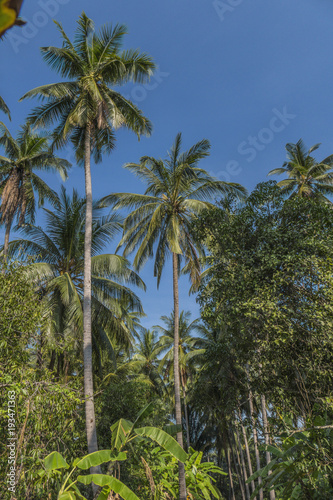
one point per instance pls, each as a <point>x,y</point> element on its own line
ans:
<point>249,75</point>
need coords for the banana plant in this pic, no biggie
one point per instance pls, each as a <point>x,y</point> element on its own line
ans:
<point>124,431</point>
<point>55,463</point>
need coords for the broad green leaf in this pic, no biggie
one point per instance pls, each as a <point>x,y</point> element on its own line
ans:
<point>115,485</point>
<point>104,494</point>
<point>68,495</point>
<point>172,429</point>
<point>164,440</point>
<point>98,458</point>
<point>120,432</point>
<point>55,461</point>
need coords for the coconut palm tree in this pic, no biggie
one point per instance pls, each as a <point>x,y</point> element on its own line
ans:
<point>58,269</point>
<point>88,108</point>
<point>306,177</point>
<point>4,108</point>
<point>146,352</point>
<point>188,352</point>
<point>29,153</point>
<point>177,191</point>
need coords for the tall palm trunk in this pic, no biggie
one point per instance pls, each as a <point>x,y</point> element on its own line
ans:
<point>6,242</point>
<point>267,440</point>
<point>178,408</point>
<point>87,342</point>
<point>188,444</point>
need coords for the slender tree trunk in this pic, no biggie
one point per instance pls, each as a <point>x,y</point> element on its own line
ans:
<point>52,361</point>
<point>267,439</point>
<point>186,420</point>
<point>255,441</point>
<point>231,482</point>
<point>87,341</point>
<point>40,350</point>
<point>247,489</point>
<point>5,246</point>
<point>181,468</point>
<point>6,242</point>
<point>237,468</point>
<point>247,451</point>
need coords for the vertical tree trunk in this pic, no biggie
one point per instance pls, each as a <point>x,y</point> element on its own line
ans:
<point>267,440</point>
<point>181,468</point>
<point>248,456</point>
<point>6,242</point>
<point>255,441</point>
<point>87,342</point>
<point>231,482</point>
<point>186,418</point>
<point>237,468</point>
<point>247,489</point>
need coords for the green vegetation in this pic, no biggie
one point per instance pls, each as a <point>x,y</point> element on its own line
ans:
<point>236,404</point>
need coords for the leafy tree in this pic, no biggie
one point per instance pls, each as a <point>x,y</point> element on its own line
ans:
<point>29,153</point>
<point>177,191</point>
<point>45,414</point>
<point>58,270</point>
<point>306,177</point>
<point>89,109</point>
<point>269,287</point>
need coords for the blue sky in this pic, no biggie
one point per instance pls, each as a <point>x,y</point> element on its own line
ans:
<point>249,75</point>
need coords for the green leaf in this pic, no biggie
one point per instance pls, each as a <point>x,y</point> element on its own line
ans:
<point>115,485</point>
<point>55,461</point>
<point>164,440</point>
<point>120,432</point>
<point>104,494</point>
<point>98,458</point>
<point>68,495</point>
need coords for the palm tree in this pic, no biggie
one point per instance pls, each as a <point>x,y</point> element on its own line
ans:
<point>306,177</point>
<point>146,352</point>
<point>177,192</point>
<point>188,352</point>
<point>89,109</point>
<point>29,153</point>
<point>4,108</point>
<point>58,269</point>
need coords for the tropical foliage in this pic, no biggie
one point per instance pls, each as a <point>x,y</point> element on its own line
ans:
<point>234,403</point>
<point>306,176</point>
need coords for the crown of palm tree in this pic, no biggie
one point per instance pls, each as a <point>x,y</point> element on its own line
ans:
<point>29,153</point>
<point>59,267</point>
<point>177,191</point>
<point>94,64</point>
<point>146,355</point>
<point>187,343</point>
<point>306,177</point>
<point>4,108</point>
